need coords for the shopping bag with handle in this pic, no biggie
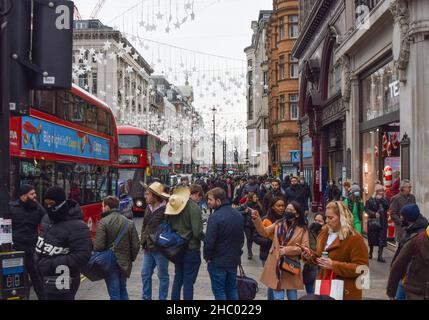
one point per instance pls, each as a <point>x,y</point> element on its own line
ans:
<point>330,287</point>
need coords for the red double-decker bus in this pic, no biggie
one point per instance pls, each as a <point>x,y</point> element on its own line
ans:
<point>139,163</point>
<point>68,139</point>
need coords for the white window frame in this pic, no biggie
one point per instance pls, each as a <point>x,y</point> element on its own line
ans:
<point>293,26</point>
<point>293,104</point>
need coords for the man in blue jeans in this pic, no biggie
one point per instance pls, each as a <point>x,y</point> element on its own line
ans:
<point>223,245</point>
<point>116,230</point>
<point>154,215</point>
<point>185,218</point>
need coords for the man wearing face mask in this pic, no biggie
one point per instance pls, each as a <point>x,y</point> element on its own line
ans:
<point>64,246</point>
<point>296,193</point>
<point>26,214</point>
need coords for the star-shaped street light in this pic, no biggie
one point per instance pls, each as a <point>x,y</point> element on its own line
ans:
<point>107,45</point>
<point>159,15</point>
<point>128,49</point>
<point>177,24</point>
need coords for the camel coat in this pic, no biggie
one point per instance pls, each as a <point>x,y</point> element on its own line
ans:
<point>288,281</point>
<point>346,255</point>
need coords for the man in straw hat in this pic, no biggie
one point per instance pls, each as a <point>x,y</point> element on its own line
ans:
<point>185,218</point>
<point>156,199</point>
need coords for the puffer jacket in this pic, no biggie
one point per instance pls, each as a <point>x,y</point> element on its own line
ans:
<point>25,220</point>
<point>108,229</point>
<point>64,242</point>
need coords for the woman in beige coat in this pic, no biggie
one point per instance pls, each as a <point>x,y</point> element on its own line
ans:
<point>285,234</point>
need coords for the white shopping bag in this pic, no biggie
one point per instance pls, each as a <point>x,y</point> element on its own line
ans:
<point>330,287</point>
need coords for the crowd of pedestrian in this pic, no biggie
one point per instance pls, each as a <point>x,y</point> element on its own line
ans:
<point>296,249</point>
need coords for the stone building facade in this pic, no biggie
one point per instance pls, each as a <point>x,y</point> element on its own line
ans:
<point>257,96</point>
<point>114,71</point>
<point>283,89</point>
<point>376,52</point>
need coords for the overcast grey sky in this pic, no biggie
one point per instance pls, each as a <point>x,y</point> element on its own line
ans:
<point>220,27</point>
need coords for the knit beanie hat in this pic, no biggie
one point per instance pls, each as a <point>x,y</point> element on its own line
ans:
<point>410,212</point>
<point>24,189</point>
<point>56,194</point>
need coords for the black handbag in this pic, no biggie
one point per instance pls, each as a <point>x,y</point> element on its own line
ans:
<point>374,224</point>
<point>246,287</point>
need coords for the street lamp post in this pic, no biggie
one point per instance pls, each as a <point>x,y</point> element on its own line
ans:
<point>214,139</point>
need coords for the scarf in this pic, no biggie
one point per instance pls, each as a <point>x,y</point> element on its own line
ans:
<point>283,236</point>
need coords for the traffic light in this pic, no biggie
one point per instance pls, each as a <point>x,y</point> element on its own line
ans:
<point>19,34</point>
<point>53,44</point>
<point>41,57</point>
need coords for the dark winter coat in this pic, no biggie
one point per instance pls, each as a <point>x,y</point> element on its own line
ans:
<point>420,225</point>
<point>65,242</point>
<point>413,264</point>
<point>332,194</point>
<point>396,205</point>
<point>25,220</point>
<point>307,196</point>
<point>108,229</point>
<point>298,194</point>
<point>377,237</point>
<point>151,221</point>
<point>224,237</point>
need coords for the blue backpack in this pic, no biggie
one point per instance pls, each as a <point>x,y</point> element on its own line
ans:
<point>169,242</point>
<point>103,263</point>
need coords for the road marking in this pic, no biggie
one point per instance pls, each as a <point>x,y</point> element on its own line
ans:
<point>82,278</point>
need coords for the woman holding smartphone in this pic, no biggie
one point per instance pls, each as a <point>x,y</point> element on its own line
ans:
<point>347,255</point>
<point>282,268</point>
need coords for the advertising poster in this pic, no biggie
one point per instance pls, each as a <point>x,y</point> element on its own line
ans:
<point>43,136</point>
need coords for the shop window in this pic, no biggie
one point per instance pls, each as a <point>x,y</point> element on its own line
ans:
<point>380,93</point>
